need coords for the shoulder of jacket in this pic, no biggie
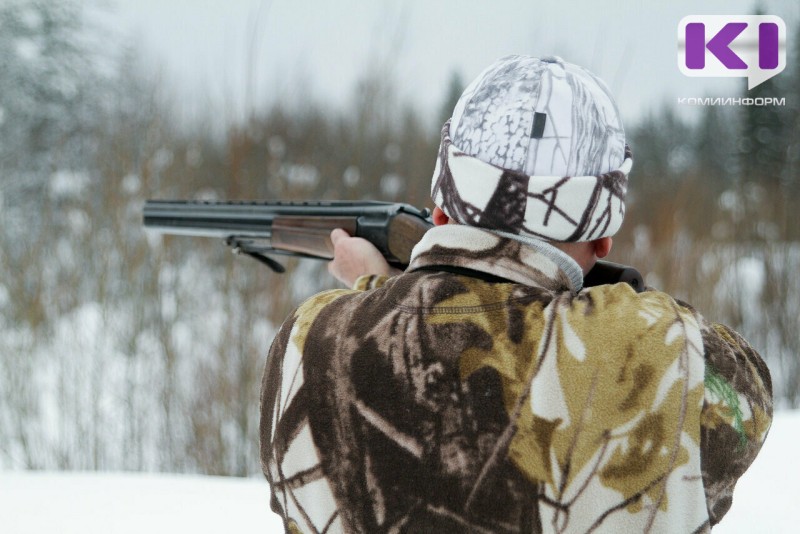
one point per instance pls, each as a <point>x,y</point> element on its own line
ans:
<point>623,294</point>
<point>315,303</point>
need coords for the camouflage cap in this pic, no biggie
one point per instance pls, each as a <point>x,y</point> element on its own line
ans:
<point>535,147</point>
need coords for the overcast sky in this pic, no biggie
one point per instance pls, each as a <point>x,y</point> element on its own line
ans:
<point>229,56</point>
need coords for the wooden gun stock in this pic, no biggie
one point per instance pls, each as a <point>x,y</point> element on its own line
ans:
<point>405,231</point>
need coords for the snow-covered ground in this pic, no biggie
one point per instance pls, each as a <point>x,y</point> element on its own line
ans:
<point>111,503</point>
<point>87,503</point>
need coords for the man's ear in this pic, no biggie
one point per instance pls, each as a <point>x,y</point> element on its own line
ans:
<point>439,217</point>
<point>602,246</point>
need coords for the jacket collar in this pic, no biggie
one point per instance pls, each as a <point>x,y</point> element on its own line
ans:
<point>468,247</point>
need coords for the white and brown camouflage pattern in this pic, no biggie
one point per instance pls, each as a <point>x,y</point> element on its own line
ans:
<point>496,399</point>
<point>536,147</point>
<point>556,208</point>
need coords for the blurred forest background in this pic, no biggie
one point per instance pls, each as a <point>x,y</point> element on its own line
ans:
<point>121,350</point>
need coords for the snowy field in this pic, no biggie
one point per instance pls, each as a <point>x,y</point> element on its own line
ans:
<point>105,503</point>
<point>37,503</point>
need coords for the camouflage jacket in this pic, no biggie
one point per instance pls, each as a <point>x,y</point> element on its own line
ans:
<point>477,392</point>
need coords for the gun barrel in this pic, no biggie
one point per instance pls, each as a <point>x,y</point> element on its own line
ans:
<point>205,219</point>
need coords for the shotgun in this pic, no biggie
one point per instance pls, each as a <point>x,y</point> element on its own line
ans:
<point>302,229</point>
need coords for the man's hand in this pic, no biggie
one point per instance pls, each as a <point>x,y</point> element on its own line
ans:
<point>354,257</point>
